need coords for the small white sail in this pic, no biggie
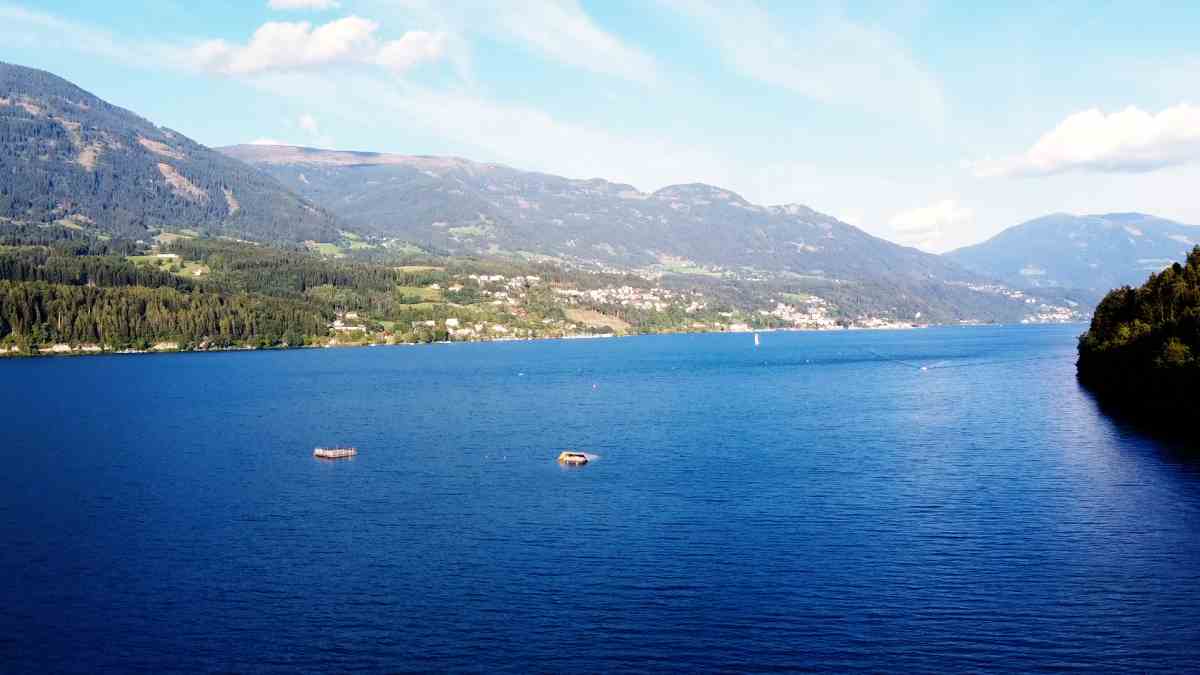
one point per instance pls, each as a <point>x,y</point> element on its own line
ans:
<point>756,343</point>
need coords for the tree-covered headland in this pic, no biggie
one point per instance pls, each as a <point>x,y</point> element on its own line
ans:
<point>1142,350</point>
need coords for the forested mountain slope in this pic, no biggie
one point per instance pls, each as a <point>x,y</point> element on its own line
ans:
<point>66,155</point>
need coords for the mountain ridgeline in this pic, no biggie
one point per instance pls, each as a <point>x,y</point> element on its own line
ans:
<point>1095,253</point>
<point>469,208</point>
<point>67,156</point>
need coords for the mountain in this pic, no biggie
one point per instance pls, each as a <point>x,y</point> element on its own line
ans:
<point>1085,252</point>
<point>468,207</point>
<point>66,155</point>
<point>464,207</point>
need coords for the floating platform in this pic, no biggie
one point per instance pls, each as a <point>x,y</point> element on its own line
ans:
<point>335,453</point>
<point>572,458</point>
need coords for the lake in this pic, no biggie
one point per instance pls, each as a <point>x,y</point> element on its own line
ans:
<point>942,499</point>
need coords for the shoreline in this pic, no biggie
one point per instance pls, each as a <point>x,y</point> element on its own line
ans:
<point>64,350</point>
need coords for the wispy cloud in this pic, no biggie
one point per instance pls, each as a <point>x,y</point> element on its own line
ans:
<point>312,129</point>
<point>281,45</point>
<point>927,227</point>
<point>309,123</point>
<point>1131,140</point>
<point>560,31</point>
<point>20,26</point>
<point>275,46</point>
<point>304,4</point>
<point>832,60</point>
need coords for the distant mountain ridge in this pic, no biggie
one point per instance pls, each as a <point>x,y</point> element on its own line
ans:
<point>471,208</point>
<point>1096,252</point>
<point>468,207</point>
<point>67,155</point>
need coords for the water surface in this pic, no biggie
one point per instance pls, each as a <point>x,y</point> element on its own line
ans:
<point>939,499</point>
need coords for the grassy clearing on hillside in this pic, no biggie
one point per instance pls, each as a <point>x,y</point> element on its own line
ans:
<point>168,237</point>
<point>593,319</point>
<point>326,249</point>
<point>183,268</point>
<point>694,270</point>
<point>469,231</point>
<point>424,293</point>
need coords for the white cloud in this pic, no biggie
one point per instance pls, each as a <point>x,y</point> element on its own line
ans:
<point>414,48</point>
<point>558,30</point>
<point>831,60</point>
<point>304,4</point>
<point>282,45</point>
<point>562,31</point>
<point>20,27</point>
<point>309,124</point>
<point>1131,140</point>
<point>926,227</point>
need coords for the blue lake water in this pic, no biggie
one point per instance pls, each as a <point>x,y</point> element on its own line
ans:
<point>818,502</point>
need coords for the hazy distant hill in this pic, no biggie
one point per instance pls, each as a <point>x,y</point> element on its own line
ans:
<point>469,207</point>
<point>1087,252</point>
<point>67,155</point>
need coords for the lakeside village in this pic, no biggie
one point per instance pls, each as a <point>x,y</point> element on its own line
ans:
<point>602,312</point>
<point>1039,312</point>
<point>495,307</point>
<point>518,302</point>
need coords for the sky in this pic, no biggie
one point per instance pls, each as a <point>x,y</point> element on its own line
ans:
<point>932,124</point>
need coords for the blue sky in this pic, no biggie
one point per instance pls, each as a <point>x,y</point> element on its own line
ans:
<point>932,124</point>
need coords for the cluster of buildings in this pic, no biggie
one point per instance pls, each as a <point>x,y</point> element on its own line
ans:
<point>1042,313</point>
<point>346,323</point>
<point>813,314</point>
<point>998,289</point>
<point>651,299</point>
<point>456,329</point>
<point>1052,314</point>
<point>503,291</point>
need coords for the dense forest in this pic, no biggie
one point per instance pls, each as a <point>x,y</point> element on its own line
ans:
<point>136,317</point>
<point>63,286</point>
<point>85,291</point>
<point>1142,346</point>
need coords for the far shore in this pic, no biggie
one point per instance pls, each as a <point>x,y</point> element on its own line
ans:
<point>63,349</point>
